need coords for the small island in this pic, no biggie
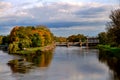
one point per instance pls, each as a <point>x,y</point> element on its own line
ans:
<point>29,39</point>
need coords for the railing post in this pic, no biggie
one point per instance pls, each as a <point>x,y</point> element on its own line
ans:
<point>80,43</point>
<point>67,43</point>
<point>87,42</point>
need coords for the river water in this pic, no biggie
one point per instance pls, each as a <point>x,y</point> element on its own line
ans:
<point>72,63</point>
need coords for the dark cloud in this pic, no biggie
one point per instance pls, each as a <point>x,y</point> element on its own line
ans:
<point>92,12</point>
<point>69,24</point>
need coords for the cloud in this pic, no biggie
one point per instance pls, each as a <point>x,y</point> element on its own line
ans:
<point>4,6</point>
<point>85,28</point>
<point>69,24</point>
<point>67,12</point>
<point>55,14</point>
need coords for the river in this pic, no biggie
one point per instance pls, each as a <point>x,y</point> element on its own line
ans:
<point>72,63</point>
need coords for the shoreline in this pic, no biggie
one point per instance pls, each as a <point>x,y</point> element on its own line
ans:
<point>34,50</point>
<point>113,52</point>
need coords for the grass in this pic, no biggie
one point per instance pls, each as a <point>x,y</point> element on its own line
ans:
<point>108,47</point>
<point>29,50</point>
<point>33,50</point>
<point>110,51</point>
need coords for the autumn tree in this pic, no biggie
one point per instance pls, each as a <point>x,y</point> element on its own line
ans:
<point>76,38</point>
<point>29,36</point>
<point>1,37</point>
<point>60,39</point>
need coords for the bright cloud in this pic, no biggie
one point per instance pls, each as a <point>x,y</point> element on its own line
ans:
<point>4,6</point>
<point>60,11</point>
<point>85,28</point>
<point>43,12</point>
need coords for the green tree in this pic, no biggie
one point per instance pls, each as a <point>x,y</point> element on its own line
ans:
<point>36,41</point>
<point>24,43</point>
<point>113,29</point>
<point>13,47</point>
<point>103,38</point>
<point>5,40</point>
<point>76,38</point>
<point>30,36</point>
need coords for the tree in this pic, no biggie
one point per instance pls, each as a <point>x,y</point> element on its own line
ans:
<point>60,39</point>
<point>1,37</point>
<point>24,43</point>
<point>13,47</point>
<point>36,41</point>
<point>76,38</point>
<point>30,36</point>
<point>103,38</point>
<point>113,29</point>
<point>5,40</point>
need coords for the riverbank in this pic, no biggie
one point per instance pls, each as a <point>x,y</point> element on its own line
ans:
<point>33,50</point>
<point>111,57</point>
<point>110,51</point>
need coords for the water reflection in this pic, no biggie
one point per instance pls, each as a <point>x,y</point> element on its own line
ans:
<point>27,62</point>
<point>41,59</point>
<point>112,62</point>
<point>72,63</point>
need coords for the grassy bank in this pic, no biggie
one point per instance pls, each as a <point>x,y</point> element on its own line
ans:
<point>111,57</point>
<point>110,51</point>
<point>33,50</point>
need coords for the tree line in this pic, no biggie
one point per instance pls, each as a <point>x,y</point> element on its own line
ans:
<point>112,34</point>
<point>4,40</point>
<point>22,37</point>
<point>71,38</point>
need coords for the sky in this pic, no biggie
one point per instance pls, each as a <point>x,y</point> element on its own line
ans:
<point>63,17</point>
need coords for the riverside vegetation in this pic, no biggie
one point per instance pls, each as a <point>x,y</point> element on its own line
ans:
<point>109,52</point>
<point>112,35</point>
<point>110,43</point>
<point>29,39</point>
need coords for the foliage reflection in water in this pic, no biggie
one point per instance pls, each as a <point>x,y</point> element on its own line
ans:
<point>27,62</point>
<point>112,62</point>
<point>64,63</point>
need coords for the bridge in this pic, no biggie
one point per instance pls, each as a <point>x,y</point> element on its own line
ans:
<point>89,42</point>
